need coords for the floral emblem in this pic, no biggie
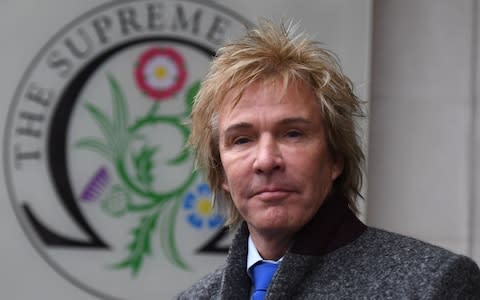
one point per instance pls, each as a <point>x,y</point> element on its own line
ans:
<point>133,157</point>
<point>160,72</point>
<point>199,206</point>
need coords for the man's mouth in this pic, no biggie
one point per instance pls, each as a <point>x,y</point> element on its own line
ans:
<point>272,193</point>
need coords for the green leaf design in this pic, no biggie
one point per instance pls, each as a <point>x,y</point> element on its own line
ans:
<point>120,116</point>
<point>153,109</point>
<point>191,93</point>
<point>182,157</point>
<point>116,130</point>
<point>144,165</point>
<point>96,145</point>
<point>167,235</point>
<point>120,111</point>
<point>140,246</point>
<point>103,123</point>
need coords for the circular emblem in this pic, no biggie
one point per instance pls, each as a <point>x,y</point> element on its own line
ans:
<point>95,158</point>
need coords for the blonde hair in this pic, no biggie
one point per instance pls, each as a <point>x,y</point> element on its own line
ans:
<point>269,51</point>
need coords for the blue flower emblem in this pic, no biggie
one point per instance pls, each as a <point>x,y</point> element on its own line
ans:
<point>199,206</point>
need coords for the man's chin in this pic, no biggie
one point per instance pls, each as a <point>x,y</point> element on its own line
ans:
<point>275,228</point>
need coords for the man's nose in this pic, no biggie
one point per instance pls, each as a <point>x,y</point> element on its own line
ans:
<point>269,156</point>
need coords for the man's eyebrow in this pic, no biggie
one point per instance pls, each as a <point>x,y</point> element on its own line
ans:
<point>237,126</point>
<point>295,120</point>
<point>245,125</point>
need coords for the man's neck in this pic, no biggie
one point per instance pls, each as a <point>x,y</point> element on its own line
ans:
<point>271,247</point>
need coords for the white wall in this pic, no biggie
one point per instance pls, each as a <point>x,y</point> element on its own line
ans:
<point>475,209</point>
<point>423,100</point>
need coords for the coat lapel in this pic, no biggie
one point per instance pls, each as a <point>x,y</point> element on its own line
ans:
<point>235,282</point>
<point>290,274</point>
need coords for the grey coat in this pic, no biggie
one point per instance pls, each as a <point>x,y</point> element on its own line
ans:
<point>335,256</point>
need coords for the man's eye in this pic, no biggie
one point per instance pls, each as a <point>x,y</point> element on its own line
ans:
<point>241,140</point>
<point>294,134</point>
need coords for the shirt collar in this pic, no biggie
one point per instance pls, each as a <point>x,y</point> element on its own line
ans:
<point>254,257</point>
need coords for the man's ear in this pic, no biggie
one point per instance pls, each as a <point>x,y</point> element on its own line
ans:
<point>225,187</point>
<point>337,167</point>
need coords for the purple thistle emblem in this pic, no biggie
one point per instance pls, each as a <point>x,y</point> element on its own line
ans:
<point>96,185</point>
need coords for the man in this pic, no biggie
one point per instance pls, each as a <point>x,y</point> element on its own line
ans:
<point>273,128</point>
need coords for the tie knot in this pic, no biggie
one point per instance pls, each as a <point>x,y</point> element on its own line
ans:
<point>262,274</point>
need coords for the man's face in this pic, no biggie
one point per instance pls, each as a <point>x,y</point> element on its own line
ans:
<point>273,149</point>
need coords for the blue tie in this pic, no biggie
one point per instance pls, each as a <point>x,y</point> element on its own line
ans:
<point>262,274</point>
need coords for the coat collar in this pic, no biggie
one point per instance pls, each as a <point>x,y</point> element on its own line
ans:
<point>334,226</point>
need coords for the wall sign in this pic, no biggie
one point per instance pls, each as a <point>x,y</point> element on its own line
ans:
<point>94,152</point>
